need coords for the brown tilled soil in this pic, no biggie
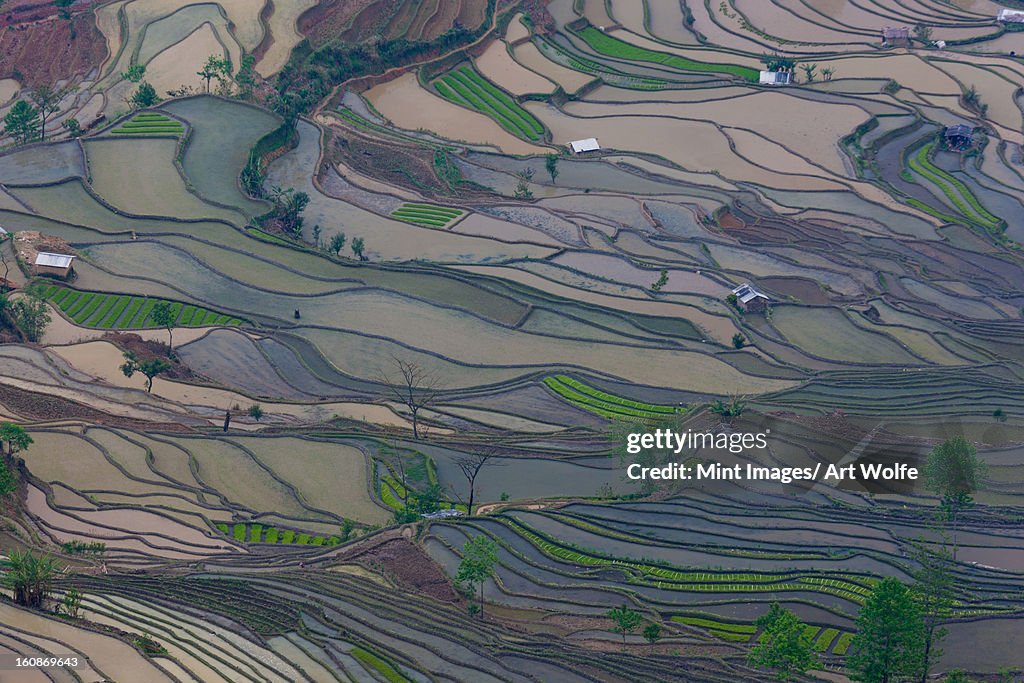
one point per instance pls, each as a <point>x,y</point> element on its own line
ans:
<point>329,19</point>
<point>473,12</point>
<point>406,165</point>
<point>37,47</point>
<point>44,408</point>
<point>405,563</point>
<point>146,349</point>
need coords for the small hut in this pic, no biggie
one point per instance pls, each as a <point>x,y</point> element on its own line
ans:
<point>585,145</point>
<point>1010,16</point>
<point>776,78</point>
<point>958,137</point>
<point>898,36</point>
<point>56,265</point>
<point>751,299</point>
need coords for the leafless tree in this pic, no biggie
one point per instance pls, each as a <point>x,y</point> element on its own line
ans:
<point>412,385</point>
<point>470,464</point>
<point>3,262</point>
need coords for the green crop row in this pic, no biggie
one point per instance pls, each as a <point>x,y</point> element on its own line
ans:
<point>958,193</point>
<point>824,640</point>
<point>150,123</point>
<point>604,404</point>
<point>467,88</point>
<point>433,207</point>
<point>125,312</point>
<point>615,78</point>
<point>374,663</point>
<point>843,644</point>
<point>617,400</point>
<point>613,47</point>
<point>675,579</point>
<point>426,214</point>
<point>700,622</point>
<point>257,533</point>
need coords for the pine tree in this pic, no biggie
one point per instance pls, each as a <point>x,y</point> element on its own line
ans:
<point>889,644</point>
<point>784,644</point>
<point>22,122</point>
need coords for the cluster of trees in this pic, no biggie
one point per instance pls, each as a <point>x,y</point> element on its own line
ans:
<point>28,314</point>
<point>899,628</point>
<point>423,502</point>
<point>288,208</point>
<point>145,94</point>
<point>26,120</point>
<point>776,62</point>
<point>310,74</point>
<point>29,577</point>
<point>165,316</point>
<point>626,620</point>
<point>13,439</point>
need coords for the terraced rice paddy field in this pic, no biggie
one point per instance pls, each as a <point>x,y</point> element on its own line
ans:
<point>149,123</point>
<point>109,311</point>
<point>257,513</point>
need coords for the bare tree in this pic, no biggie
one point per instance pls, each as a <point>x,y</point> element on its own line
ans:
<point>470,464</point>
<point>3,262</point>
<point>414,386</point>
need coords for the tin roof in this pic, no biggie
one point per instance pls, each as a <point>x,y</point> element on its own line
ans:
<point>585,145</point>
<point>746,293</point>
<point>53,260</point>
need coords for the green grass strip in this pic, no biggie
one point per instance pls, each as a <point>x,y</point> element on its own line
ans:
<point>701,622</point>
<point>69,301</point>
<point>433,207</point>
<point>954,190</point>
<point>854,589</point>
<point>374,663</point>
<point>80,304</point>
<point>108,302</point>
<point>476,92</point>
<point>606,405</point>
<point>185,316</point>
<point>86,313</point>
<point>139,320</point>
<point>619,49</point>
<point>130,313</point>
<point>123,311</point>
<point>504,99</point>
<point>618,400</point>
<point>59,296</point>
<point>730,636</point>
<point>824,640</point>
<point>503,107</point>
<point>843,644</point>
<point>115,312</point>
